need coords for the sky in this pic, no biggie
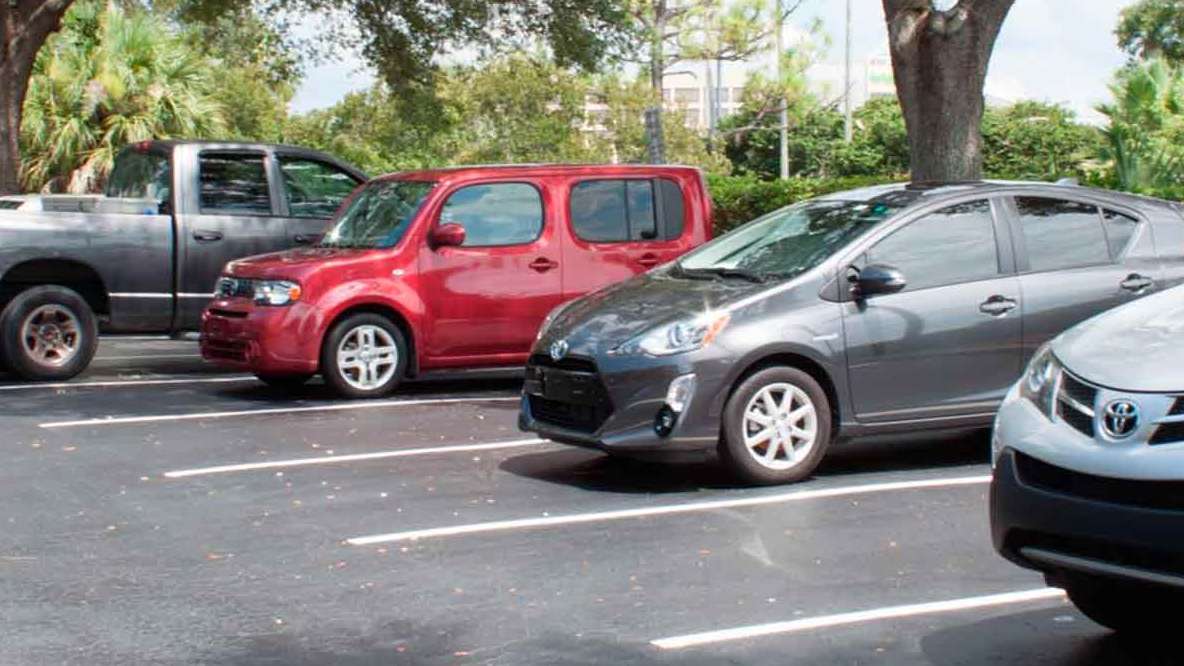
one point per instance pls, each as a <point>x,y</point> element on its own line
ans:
<point>1050,50</point>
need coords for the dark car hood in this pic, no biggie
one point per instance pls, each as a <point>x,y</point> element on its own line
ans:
<point>294,264</point>
<point>606,318</point>
<point>1135,347</point>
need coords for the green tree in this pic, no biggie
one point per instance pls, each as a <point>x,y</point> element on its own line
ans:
<point>111,78</point>
<point>1037,141</point>
<point>1153,28</point>
<point>1146,126</point>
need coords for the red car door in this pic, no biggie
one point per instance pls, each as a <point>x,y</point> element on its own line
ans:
<point>621,226</point>
<point>485,299</point>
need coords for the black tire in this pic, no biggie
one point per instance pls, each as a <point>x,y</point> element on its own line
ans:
<point>736,454</point>
<point>1129,609</point>
<point>332,372</point>
<point>284,382</point>
<point>21,361</point>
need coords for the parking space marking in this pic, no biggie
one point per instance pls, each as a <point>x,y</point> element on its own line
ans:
<point>841,619</point>
<point>576,518</point>
<point>336,407</point>
<point>324,460</point>
<point>127,382</point>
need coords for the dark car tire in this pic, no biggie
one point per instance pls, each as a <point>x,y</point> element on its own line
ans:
<point>386,334</point>
<point>1128,609</point>
<point>735,449</point>
<point>65,315</point>
<point>284,382</point>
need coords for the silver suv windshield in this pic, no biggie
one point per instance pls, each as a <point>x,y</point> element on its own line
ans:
<point>378,215</point>
<point>786,242</point>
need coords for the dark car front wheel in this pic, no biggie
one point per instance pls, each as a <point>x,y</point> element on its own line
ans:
<point>777,427</point>
<point>48,333</point>
<point>364,356</point>
<point>1126,608</point>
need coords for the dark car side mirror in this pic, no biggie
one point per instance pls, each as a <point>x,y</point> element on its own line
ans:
<point>877,279</point>
<point>447,235</point>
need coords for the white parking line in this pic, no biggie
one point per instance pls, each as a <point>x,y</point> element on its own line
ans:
<point>126,382</point>
<point>337,407</point>
<point>325,460</point>
<point>576,518</point>
<point>892,612</point>
<point>144,357</point>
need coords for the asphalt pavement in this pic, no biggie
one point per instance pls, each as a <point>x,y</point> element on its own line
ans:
<point>158,511</point>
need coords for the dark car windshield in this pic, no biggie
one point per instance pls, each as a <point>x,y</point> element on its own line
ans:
<point>789,241</point>
<point>378,215</point>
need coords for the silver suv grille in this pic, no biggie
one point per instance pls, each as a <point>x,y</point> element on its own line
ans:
<point>1081,406</point>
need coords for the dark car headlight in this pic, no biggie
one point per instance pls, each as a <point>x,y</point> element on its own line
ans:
<point>1039,382</point>
<point>678,337</point>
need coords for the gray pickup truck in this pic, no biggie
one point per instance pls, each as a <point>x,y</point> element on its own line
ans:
<point>144,257</point>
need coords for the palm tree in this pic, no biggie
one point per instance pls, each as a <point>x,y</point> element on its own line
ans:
<point>112,77</point>
<point>1146,121</point>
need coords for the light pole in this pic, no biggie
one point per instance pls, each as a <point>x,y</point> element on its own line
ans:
<point>847,80</point>
<point>779,19</point>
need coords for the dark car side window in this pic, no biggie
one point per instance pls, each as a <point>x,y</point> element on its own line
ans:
<point>314,189</point>
<point>496,213</point>
<point>623,210</point>
<point>1119,230</point>
<point>950,246</point>
<point>234,185</point>
<point>1061,234</point>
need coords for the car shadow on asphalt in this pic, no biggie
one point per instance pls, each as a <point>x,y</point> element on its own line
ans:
<point>1054,636</point>
<point>317,391</point>
<point>595,471</point>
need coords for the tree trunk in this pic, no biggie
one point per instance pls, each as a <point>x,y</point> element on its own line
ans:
<point>940,60</point>
<point>24,26</point>
<point>655,136</point>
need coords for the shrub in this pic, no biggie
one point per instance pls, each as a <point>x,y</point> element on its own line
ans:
<point>738,199</point>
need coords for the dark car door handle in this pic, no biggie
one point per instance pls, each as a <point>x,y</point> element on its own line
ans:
<point>306,239</point>
<point>543,264</point>
<point>997,306</point>
<point>649,260</point>
<point>1136,282</point>
<point>208,236</point>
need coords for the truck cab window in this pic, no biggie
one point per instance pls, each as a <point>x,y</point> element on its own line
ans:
<point>314,189</point>
<point>234,185</point>
<point>141,175</point>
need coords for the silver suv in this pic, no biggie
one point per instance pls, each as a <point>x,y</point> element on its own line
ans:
<point>1088,453</point>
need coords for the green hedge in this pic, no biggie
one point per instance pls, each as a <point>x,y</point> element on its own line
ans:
<point>738,199</point>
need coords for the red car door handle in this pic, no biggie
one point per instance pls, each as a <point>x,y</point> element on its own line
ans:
<point>649,260</point>
<point>543,264</point>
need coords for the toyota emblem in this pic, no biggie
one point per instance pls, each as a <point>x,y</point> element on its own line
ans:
<point>1120,419</point>
<point>558,350</point>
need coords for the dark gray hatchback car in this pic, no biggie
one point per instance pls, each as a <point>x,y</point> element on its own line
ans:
<point>883,310</point>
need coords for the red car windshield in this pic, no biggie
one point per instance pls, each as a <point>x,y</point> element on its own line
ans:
<point>378,215</point>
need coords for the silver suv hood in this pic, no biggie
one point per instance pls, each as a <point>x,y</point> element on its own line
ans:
<point>1136,347</point>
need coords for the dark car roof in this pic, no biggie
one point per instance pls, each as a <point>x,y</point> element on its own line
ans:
<point>907,195</point>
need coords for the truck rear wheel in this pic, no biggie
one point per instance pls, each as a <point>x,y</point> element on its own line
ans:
<point>48,333</point>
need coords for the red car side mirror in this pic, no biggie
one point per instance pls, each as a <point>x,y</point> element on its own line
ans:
<point>447,235</point>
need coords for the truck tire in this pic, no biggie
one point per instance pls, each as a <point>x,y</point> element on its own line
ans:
<point>364,356</point>
<point>48,333</point>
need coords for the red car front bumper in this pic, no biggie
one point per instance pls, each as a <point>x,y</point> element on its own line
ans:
<point>258,339</point>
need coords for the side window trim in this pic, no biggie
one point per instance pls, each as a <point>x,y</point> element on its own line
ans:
<point>269,167</point>
<point>276,172</point>
<point>1140,225</point>
<point>658,205</point>
<point>538,188</point>
<point>1016,224</point>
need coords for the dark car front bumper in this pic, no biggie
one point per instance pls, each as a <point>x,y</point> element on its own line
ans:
<point>1066,523</point>
<point>614,406</point>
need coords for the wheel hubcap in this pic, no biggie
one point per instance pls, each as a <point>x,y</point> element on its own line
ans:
<point>367,357</point>
<point>780,426</point>
<point>51,335</point>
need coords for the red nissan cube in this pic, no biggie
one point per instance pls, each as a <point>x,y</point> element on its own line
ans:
<point>444,269</point>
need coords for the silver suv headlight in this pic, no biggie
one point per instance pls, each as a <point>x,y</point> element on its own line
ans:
<point>1040,379</point>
